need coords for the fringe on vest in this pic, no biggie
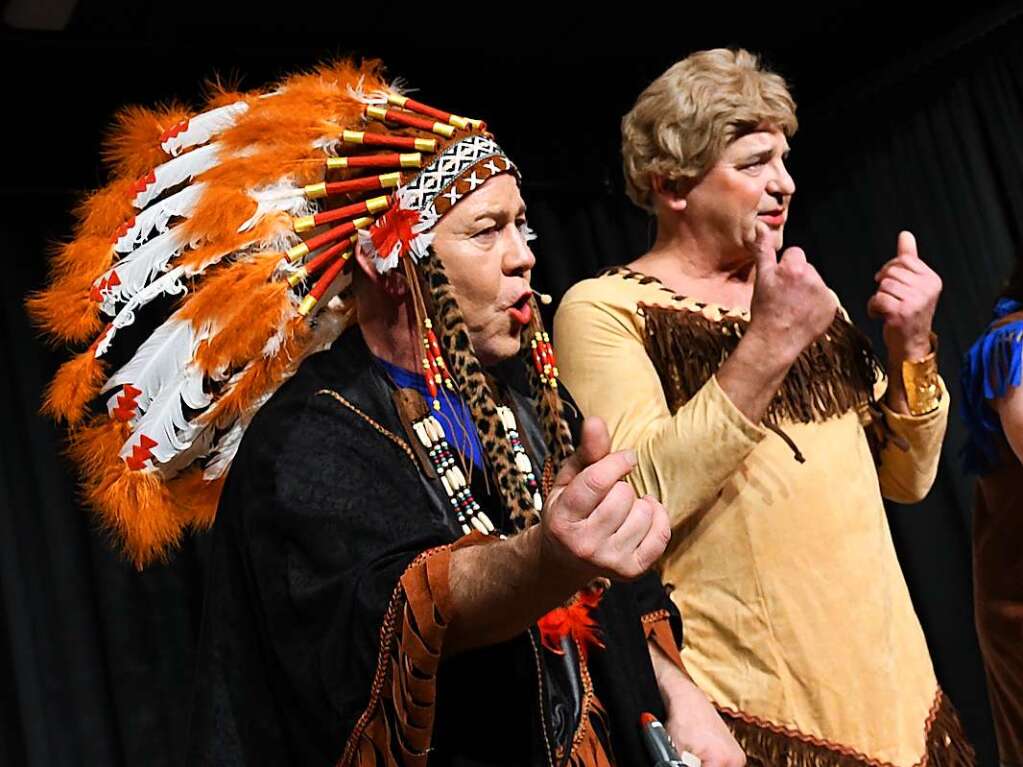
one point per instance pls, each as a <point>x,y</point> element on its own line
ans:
<point>833,375</point>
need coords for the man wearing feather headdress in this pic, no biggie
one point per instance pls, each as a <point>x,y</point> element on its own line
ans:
<point>410,559</point>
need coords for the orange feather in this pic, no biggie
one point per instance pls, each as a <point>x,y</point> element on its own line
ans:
<point>196,498</point>
<point>100,213</point>
<point>262,376</point>
<point>135,506</point>
<point>221,90</point>
<point>268,166</point>
<point>88,256</point>
<point>245,307</point>
<point>76,384</point>
<point>216,218</point>
<point>65,312</point>
<point>132,145</point>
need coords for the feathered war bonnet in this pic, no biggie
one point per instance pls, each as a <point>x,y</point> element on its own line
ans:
<point>230,233</point>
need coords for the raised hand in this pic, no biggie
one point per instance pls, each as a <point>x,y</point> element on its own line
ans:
<point>593,523</point>
<point>906,297</point>
<point>791,305</point>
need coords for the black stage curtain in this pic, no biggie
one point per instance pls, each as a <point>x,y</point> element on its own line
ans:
<point>96,657</point>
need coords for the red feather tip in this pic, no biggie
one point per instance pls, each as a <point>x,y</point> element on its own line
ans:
<point>573,620</point>
<point>393,227</point>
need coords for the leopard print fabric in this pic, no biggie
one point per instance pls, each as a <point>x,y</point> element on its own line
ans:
<point>453,336</point>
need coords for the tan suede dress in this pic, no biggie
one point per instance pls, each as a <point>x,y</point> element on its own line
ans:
<point>799,625</point>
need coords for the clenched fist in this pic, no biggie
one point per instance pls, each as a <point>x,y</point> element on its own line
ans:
<point>791,305</point>
<point>906,297</point>
<point>593,523</point>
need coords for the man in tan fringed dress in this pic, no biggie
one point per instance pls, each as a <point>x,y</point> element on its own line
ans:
<point>768,428</point>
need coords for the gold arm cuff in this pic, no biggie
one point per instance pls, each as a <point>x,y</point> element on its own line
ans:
<point>920,378</point>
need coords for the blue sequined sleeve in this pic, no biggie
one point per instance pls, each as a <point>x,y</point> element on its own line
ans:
<point>990,367</point>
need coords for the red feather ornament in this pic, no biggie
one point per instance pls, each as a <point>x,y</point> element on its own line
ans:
<point>572,620</point>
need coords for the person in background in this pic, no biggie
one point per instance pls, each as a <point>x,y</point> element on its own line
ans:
<point>768,428</point>
<point>992,409</point>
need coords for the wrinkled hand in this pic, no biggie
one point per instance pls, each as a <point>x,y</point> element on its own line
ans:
<point>791,305</point>
<point>695,726</point>
<point>906,297</point>
<point>594,524</point>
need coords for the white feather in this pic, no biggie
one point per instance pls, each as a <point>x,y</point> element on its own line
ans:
<point>202,128</point>
<point>163,355</point>
<point>374,97</point>
<point>400,86</point>
<point>282,197</point>
<point>165,421</point>
<point>379,96</point>
<point>273,343</point>
<point>200,447</point>
<point>170,284</point>
<point>224,452</point>
<point>227,446</point>
<point>173,172</point>
<point>141,266</point>
<point>155,217</point>
<point>328,144</point>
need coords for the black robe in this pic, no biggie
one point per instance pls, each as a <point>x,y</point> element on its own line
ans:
<point>321,514</point>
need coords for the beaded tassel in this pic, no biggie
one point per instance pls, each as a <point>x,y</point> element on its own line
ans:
<point>544,361</point>
<point>467,511</point>
<point>435,370</point>
<point>521,456</point>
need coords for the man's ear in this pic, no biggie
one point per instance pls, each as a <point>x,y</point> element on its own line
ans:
<point>667,193</point>
<point>392,282</point>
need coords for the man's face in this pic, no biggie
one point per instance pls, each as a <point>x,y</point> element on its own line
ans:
<point>748,183</point>
<point>482,243</point>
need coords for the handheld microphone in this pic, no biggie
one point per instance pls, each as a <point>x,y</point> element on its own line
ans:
<point>660,747</point>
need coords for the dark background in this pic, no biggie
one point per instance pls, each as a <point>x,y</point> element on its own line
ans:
<point>911,117</point>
